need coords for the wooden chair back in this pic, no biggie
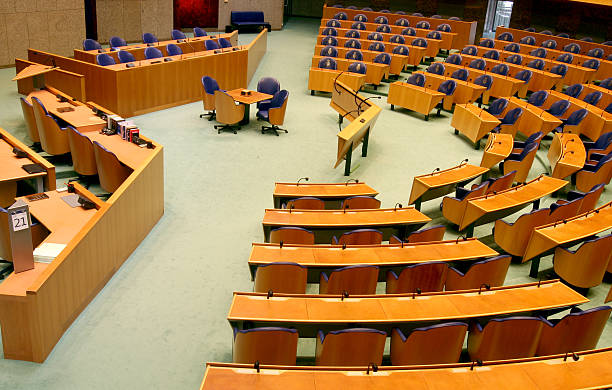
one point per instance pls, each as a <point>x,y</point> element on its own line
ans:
<point>590,199</point>
<point>265,345</point>
<point>577,331</point>
<point>53,139</point>
<point>82,152</point>
<point>585,267</point>
<point>565,210</point>
<point>502,183</point>
<point>276,116</point>
<point>491,272</point>
<point>434,233</point>
<point>30,120</point>
<point>437,344</point>
<point>8,192</point>
<point>423,276</point>
<point>514,237</point>
<point>359,237</point>
<point>351,347</point>
<point>289,278</point>
<point>521,167</point>
<point>505,338</point>
<point>585,180</point>
<point>292,235</point>
<point>361,202</point>
<point>307,202</point>
<point>228,112</point>
<point>354,280</point>
<point>453,208</point>
<point>111,171</point>
<point>208,100</point>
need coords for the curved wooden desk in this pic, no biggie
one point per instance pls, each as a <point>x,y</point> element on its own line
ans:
<point>489,208</point>
<point>308,313</point>
<point>389,220</point>
<point>566,155</point>
<point>534,118</point>
<point>465,92</point>
<point>332,193</point>
<point>411,97</point>
<point>375,72</point>
<point>606,94</point>
<point>319,257</point>
<point>473,122</point>
<point>323,79</point>
<point>440,183</point>
<point>397,65</point>
<point>503,86</point>
<point>498,147</point>
<point>547,237</point>
<point>592,370</point>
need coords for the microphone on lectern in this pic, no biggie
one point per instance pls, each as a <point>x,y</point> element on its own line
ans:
<point>300,179</point>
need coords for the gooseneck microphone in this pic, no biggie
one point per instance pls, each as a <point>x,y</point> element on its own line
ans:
<point>300,179</point>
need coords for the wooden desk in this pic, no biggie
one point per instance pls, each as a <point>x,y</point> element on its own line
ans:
<point>374,72</point>
<point>439,183</point>
<point>596,122</point>
<point>488,208</point>
<point>547,372</point>
<point>188,45</point>
<point>397,65</point>
<point>503,86</point>
<point>466,31</point>
<point>473,122</point>
<point>81,117</point>
<point>534,118</point>
<point>465,92</point>
<point>606,94</point>
<point>323,79</point>
<point>415,53</point>
<point>547,237</point>
<point>332,193</point>
<point>12,170</point>
<point>309,313</point>
<point>247,100</point>
<point>498,147</point>
<point>411,97</point>
<point>401,220</point>
<point>566,155</point>
<point>325,257</point>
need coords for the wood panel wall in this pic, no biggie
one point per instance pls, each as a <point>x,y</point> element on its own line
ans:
<point>273,11</point>
<point>49,25</point>
<point>129,19</point>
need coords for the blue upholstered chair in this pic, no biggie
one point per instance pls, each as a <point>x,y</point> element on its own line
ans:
<point>398,39</point>
<point>270,86</point>
<point>333,23</point>
<point>367,9</point>
<point>573,119</point>
<point>91,44</point>
<point>417,14</point>
<point>447,87</point>
<point>487,42</point>
<point>530,29</point>
<point>125,57</point>
<point>454,18</point>
<point>400,12</point>
<point>402,22</point>
<point>328,63</point>
<point>411,32</point>
<point>444,27</point>
<point>527,40</point>
<point>117,42</point>
<point>572,48</point>
<point>359,237</point>
<point>53,133</point>
<point>513,47</point>
<point>105,60</point>
<point>353,34</point>
<point>426,277</point>
<point>596,52</point>
<point>351,7</point>
<point>497,107</point>
<point>352,43</point>
<point>350,347</point>
<point>341,16</point>
<point>539,52</point>
<point>384,11</point>
<point>538,98</point>
<point>419,42</point>
<point>507,123</point>
<point>505,338</point>
<point>266,345</point>
<point>546,32</point>
<point>209,86</point>
<point>436,16</point>
<point>358,26</point>
<point>434,344</point>
<point>224,43</point>
<point>549,44</point>
<point>592,63</point>
<point>516,59</point>
<point>377,46</point>
<point>375,36</point>
<point>460,74</point>
<point>536,64</point>
<point>199,32</point>
<point>593,97</point>
<point>559,108</point>
<point>211,45</point>
<point>173,50</point>
<point>478,63</point>
<point>524,75</point>
<point>401,50</point>
<point>506,36</point>
<point>382,58</point>
<point>153,52</point>
<point>535,137</point>
<point>423,24</point>
<point>563,35</point>
<point>436,68</point>
<point>417,79</point>
<point>330,31</point>
<point>501,69</point>
<point>574,90</point>
<point>486,81</point>
<point>521,162</point>
<point>357,67</point>
<point>329,51</point>
<point>360,18</point>
<point>149,38</point>
<point>381,20</point>
<point>329,41</point>
<point>354,54</point>
<point>566,58</point>
<point>560,69</point>
<point>454,59</point>
<point>178,35</point>
<point>608,109</point>
<point>383,28</point>
<point>274,112</point>
<point>355,279</point>
<point>434,35</point>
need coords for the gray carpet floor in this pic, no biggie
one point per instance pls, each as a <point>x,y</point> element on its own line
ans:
<point>163,314</point>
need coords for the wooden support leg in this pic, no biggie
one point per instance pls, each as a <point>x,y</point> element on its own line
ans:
<point>535,266</point>
<point>364,145</point>
<point>347,162</point>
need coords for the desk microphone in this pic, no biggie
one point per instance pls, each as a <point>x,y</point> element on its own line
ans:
<point>300,179</point>
<point>335,84</point>
<point>365,100</point>
<point>464,161</point>
<point>346,183</point>
<point>192,48</point>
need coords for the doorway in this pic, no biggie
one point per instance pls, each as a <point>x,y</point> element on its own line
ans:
<point>498,14</point>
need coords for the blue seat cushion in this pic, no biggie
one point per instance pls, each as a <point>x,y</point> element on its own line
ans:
<point>263,114</point>
<point>248,18</point>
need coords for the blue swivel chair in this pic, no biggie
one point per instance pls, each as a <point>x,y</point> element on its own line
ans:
<point>357,67</point>
<point>419,42</point>
<point>434,35</point>
<point>478,63</point>
<point>149,38</point>
<point>354,54</point>
<point>549,44</point>
<point>417,79</point>
<point>563,35</point>
<point>381,20</point>
<point>376,36</point>
<point>199,32</point>
<point>360,18</point>
<point>423,24</point>
<point>274,113</point>
<point>538,98</point>
<point>603,145</point>
<point>352,43</point>
<point>539,52</point>
<point>491,54</point>
<point>528,40</point>
<point>559,108</point>
<point>436,68</point>
<point>455,18</point>
<point>383,28</point>
<point>596,52</point>
<point>535,137</point>
<point>358,26</point>
<point>572,48</point>
<point>178,35</point>
<point>329,41</point>
<point>329,51</point>
<point>353,34</point>
<point>501,69</point>
<point>173,50</point>
<point>460,74</point>
<point>573,119</point>
<point>565,58</point>
<point>333,23</point>
<point>515,59</point>
<point>211,45</point>
<point>436,16</point>
<point>454,59</point>
<point>401,50</point>
<point>152,52</point>
<point>530,29</point>
<point>587,39</point>
<point>487,42</point>
<point>574,90</point>
<point>417,14</point>
<point>409,31</point>
<point>91,44</point>
<point>382,58</point>
<point>117,42</point>
<point>524,75</point>
<point>593,98</point>
<point>105,60</point>
<point>330,31</point>
<point>486,81</point>
<point>497,107</point>
<point>224,43</point>
<point>592,63</point>
<point>125,56</point>
<point>520,162</point>
<point>507,125</point>
<point>444,27</point>
<point>536,64</point>
<point>328,63</point>
<point>341,16</point>
<point>513,47</point>
<point>397,39</point>
<point>546,32</point>
<point>209,86</point>
<point>270,86</point>
<point>447,87</point>
<point>402,22</point>
<point>560,69</point>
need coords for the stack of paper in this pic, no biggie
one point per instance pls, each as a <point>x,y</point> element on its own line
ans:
<point>46,252</point>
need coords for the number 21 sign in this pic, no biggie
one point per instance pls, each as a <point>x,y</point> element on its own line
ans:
<point>19,220</point>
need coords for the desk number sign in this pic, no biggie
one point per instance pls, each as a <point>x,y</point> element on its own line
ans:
<point>19,219</point>
<point>21,237</point>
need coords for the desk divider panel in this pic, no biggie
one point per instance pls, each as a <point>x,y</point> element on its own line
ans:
<point>70,83</point>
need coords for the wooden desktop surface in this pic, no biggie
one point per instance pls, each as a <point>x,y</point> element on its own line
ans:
<point>253,97</point>
<point>438,183</point>
<point>128,153</point>
<point>488,208</point>
<point>498,147</point>
<point>596,122</point>
<point>547,237</point>
<point>473,122</point>
<point>321,190</point>
<point>304,311</point>
<point>566,155</point>
<point>591,371</point>
<point>11,165</point>
<point>503,86</point>
<point>465,92</point>
<point>412,97</point>
<point>534,118</point>
<point>81,117</point>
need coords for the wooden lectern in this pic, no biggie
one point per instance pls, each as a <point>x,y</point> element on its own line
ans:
<point>36,72</point>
